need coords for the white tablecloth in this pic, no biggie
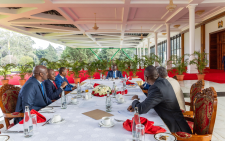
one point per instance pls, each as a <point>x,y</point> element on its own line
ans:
<point>83,128</point>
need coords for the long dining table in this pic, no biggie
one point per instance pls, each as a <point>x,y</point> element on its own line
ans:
<point>78,126</point>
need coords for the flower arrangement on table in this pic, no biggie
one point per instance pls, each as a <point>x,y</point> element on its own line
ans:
<point>101,90</point>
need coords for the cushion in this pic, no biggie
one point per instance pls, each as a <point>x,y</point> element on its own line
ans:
<point>203,114</point>
<point>191,124</point>
<point>9,100</point>
<point>183,135</point>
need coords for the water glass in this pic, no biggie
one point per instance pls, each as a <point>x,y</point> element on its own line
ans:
<point>34,121</point>
<point>140,132</point>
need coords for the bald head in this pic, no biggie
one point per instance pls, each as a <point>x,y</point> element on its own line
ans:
<point>151,74</point>
<point>40,73</point>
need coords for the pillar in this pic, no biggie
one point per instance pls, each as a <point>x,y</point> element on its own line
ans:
<point>144,49</point>
<point>169,65</point>
<point>191,7</point>
<point>156,47</point>
<point>148,45</point>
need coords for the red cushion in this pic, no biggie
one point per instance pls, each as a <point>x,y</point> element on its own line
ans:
<point>183,135</point>
<point>9,100</point>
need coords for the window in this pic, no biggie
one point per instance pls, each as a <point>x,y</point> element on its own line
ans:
<point>152,50</point>
<point>176,45</point>
<point>162,51</point>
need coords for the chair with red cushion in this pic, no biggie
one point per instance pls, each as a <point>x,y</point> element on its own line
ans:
<point>8,99</point>
<point>195,88</point>
<point>205,108</point>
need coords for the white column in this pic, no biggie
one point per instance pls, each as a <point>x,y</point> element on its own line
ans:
<point>137,52</point>
<point>156,47</point>
<point>191,7</point>
<point>140,52</point>
<point>169,66</point>
<point>148,45</point>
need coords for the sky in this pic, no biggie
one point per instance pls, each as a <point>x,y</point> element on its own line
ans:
<point>39,42</point>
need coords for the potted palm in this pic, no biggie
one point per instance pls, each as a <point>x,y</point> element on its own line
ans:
<point>49,64</point>
<point>103,65</point>
<point>121,66</point>
<point>150,60</point>
<point>134,66</point>
<point>4,69</point>
<point>75,70</point>
<point>63,63</point>
<point>201,62</point>
<point>179,65</point>
<point>91,69</point>
<point>23,71</point>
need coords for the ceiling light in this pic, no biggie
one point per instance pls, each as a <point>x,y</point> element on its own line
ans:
<point>163,33</point>
<point>199,12</point>
<point>176,26</point>
<point>142,37</point>
<point>171,6</point>
<point>95,26</point>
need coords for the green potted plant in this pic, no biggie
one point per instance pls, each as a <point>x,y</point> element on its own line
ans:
<point>4,69</point>
<point>49,64</point>
<point>201,62</point>
<point>91,69</point>
<point>103,65</point>
<point>179,65</point>
<point>150,60</point>
<point>134,66</point>
<point>75,70</point>
<point>23,71</point>
<point>63,63</point>
<point>121,66</point>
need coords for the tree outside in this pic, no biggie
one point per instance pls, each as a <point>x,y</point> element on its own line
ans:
<point>25,59</point>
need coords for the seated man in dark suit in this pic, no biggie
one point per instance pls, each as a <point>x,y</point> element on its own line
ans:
<point>162,98</point>
<point>52,90</point>
<point>114,73</point>
<point>61,77</point>
<point>33,93</point>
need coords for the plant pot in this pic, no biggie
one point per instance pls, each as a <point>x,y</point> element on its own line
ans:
<point>134,76</point>
<point>22,82</point>
<point>201,76</point>
<point>91,78</point>
<point>139,67</point>
<point>5,81</point>
<point>76,80</point>
<point>180,77</point>
<point>68,70</point>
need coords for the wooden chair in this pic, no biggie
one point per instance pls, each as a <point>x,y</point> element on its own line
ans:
<point>205,108</point>
<point>8,99</point>
<point>195,88</point>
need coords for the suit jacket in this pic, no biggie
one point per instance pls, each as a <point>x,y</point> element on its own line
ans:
<point>118,74</point>
<point>162,98</point>
<point>59,80</point>
<point>51,90</point>
<point>178,92</point>
<point>223,61</point>
<point>31,95</point>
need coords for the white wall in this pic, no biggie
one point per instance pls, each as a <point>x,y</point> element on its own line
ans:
<point>197,41</point>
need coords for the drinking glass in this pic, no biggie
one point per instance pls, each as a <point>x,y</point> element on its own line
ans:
<point>34,121</point>
<point>140,132</point>
<point>122,91</point>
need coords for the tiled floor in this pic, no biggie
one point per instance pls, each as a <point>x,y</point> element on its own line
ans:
<point>219,128</point>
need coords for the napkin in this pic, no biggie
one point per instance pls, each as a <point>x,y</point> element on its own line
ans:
<point>119,92</point>
<point>129,78</point>
<point>149,127</point>
<point>40,117</point>
<point>128,82</point>
<point>96,84</point>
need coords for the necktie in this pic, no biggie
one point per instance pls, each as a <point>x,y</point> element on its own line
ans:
<point>54,84</point>
<point>42,89</point>
<point>114,74</point>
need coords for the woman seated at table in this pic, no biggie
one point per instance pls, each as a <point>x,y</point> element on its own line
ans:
<point>114,73</point>
<point>162,98</point>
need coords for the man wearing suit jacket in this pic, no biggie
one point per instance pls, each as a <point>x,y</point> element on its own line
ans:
<point>114,73</point>
<point>162,98</point>
<point>61,77</point>
<point>176,87</point>
<point>223,62</point>
<point>52,90</point>
<point>33,93</point>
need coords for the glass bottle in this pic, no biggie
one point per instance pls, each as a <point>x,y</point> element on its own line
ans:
<point>101,76</point>
<point>114,90</point>
<point>136,121</point>
<point>27,123</point>
<point>125,77</point>
<point>108,103</point>
<point>63,101</point>
<point>78,90</point>
<point>124,84</point>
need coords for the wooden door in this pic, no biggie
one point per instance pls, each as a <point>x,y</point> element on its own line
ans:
<point>220,49</point>
<point>213,51</point>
